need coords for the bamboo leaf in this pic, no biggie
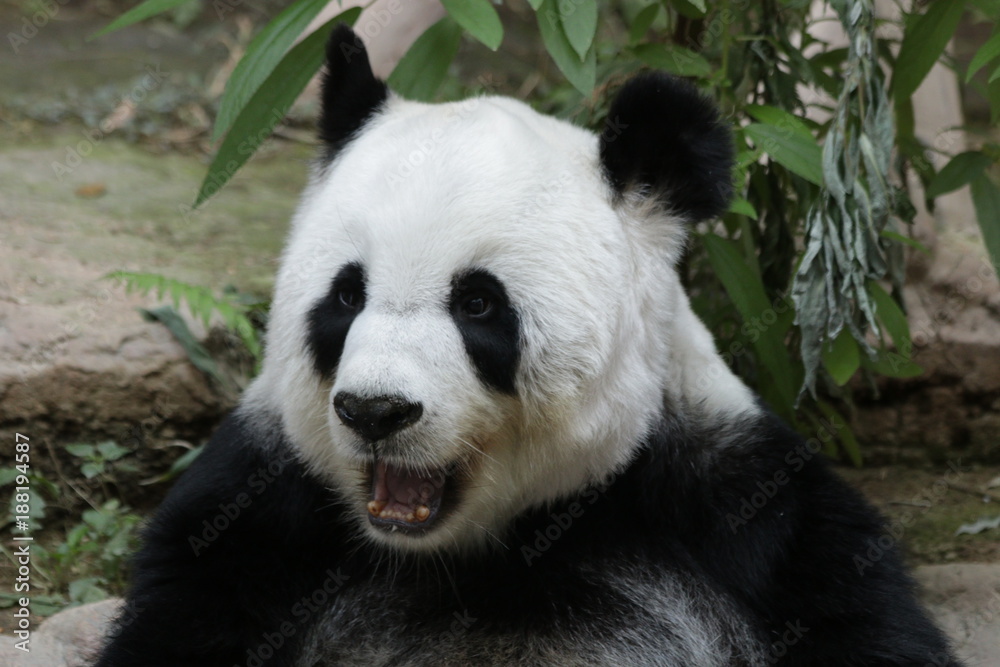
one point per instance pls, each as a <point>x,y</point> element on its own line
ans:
<point>842,357</point>
<point>419,74</point>
<point>741,206</point>
<point>925,39</point>
<point>986,199</point>
<point>642,22</point>
<point>579,22</point>
<point>583,75</point>
<point>478,18</point>
<point>265,109</point>
<point>790,149</point>
<point>674,59</point>
<point>892,318</point>
<point>961,170</point>
<point>986,53</point>
<point>899,238</point>
<point>196,352</point>
<point>141,12</point>
<point>781,119</point>
<point>263,55</point>
<point>747,293</point>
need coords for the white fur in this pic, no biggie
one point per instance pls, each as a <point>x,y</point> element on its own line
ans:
<point>607,333</point>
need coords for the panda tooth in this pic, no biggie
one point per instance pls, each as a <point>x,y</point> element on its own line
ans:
<point>422,512</point>
<point>375,507</point>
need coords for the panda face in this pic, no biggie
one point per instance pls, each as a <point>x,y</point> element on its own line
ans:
<point>474,312</point>
<point>456,341</point>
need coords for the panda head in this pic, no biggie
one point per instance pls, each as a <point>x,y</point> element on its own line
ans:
<point>477,307</point>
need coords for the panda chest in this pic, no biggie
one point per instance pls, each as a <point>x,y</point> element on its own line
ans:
<point>607,619</point>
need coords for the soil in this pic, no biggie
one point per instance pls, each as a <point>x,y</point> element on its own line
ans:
<point>929,505</point>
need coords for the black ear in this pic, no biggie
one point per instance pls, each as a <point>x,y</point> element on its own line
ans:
<point>663,138</point>
<point>351,93</point>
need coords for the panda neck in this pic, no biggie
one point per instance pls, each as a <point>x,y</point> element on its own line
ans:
<point>701,384</point>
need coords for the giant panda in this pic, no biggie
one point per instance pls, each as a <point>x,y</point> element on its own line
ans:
<point>489,429</point>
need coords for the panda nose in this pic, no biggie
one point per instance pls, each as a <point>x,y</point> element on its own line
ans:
<point>375,418</point>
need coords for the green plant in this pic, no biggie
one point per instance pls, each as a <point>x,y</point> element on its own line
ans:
<point>801,281</point>
<point>96,458</point>
<point>240,314</point>
<point>80,562</point>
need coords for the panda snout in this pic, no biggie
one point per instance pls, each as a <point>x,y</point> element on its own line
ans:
<point>374,418</point>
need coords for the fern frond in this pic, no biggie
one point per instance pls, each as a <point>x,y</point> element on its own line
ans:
<point>201,303</point>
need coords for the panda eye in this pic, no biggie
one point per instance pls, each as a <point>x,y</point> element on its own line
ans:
<point>351,297</point>
<point>477,305</point>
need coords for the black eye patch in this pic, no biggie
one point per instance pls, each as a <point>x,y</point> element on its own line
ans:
<point>330,319</point>
<point>489,326</point>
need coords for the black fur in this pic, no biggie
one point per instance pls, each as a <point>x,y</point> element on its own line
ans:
<point>792,568</point>
<point>663,137</point>
<point>331,318</point>
<point>492,340</point>
<point>351,93</point>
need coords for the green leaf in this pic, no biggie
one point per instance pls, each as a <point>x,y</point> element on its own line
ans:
<point>265,110</point>
<point>579,22</point>
<point>995,75</point>
<point>892,316</point>
<point>961,170</point>
<point>843,432</point>
<point>892,364</point>
<point>842,357</point>
<point>674,59</point>
<point>419,74</point>
<point>112,451</point>
<point>583,75</point>
<point>198,355</point>
<point>781,119</point>
<point>747,293</point>
<point>81,451</point>
<point>264,53</point>
<point>642,22</point>
<point>923,43</point>
<point>986,199</point>
<point>741,206</point>
<point>692,9</point>
<point>787,147</point>
<point>479,18</point>
<point>142,12</point>
<point>899,238</point>
<point>91,469</point>
<point>986,53</point>
<point>535,4</point>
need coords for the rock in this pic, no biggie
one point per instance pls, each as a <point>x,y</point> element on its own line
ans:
<point>69,639</point>
<point>965,600</point>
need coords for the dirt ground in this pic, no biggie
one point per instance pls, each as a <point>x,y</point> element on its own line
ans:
<point>929,505</point>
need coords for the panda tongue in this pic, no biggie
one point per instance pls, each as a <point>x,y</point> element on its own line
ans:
<point>404,494</point>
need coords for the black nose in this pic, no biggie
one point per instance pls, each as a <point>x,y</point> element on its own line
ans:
<point>375,418</point>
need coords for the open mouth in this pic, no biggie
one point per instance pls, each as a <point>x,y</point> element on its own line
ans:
<point>405,499</point>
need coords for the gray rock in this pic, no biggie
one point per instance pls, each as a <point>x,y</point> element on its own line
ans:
<point>71,638</point>
<point>965,600</point>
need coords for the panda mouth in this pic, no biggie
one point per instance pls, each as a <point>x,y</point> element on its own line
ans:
<point>405,499</point>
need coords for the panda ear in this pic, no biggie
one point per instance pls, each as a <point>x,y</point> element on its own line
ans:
<point>664,139</point>
<point>351,93</point>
